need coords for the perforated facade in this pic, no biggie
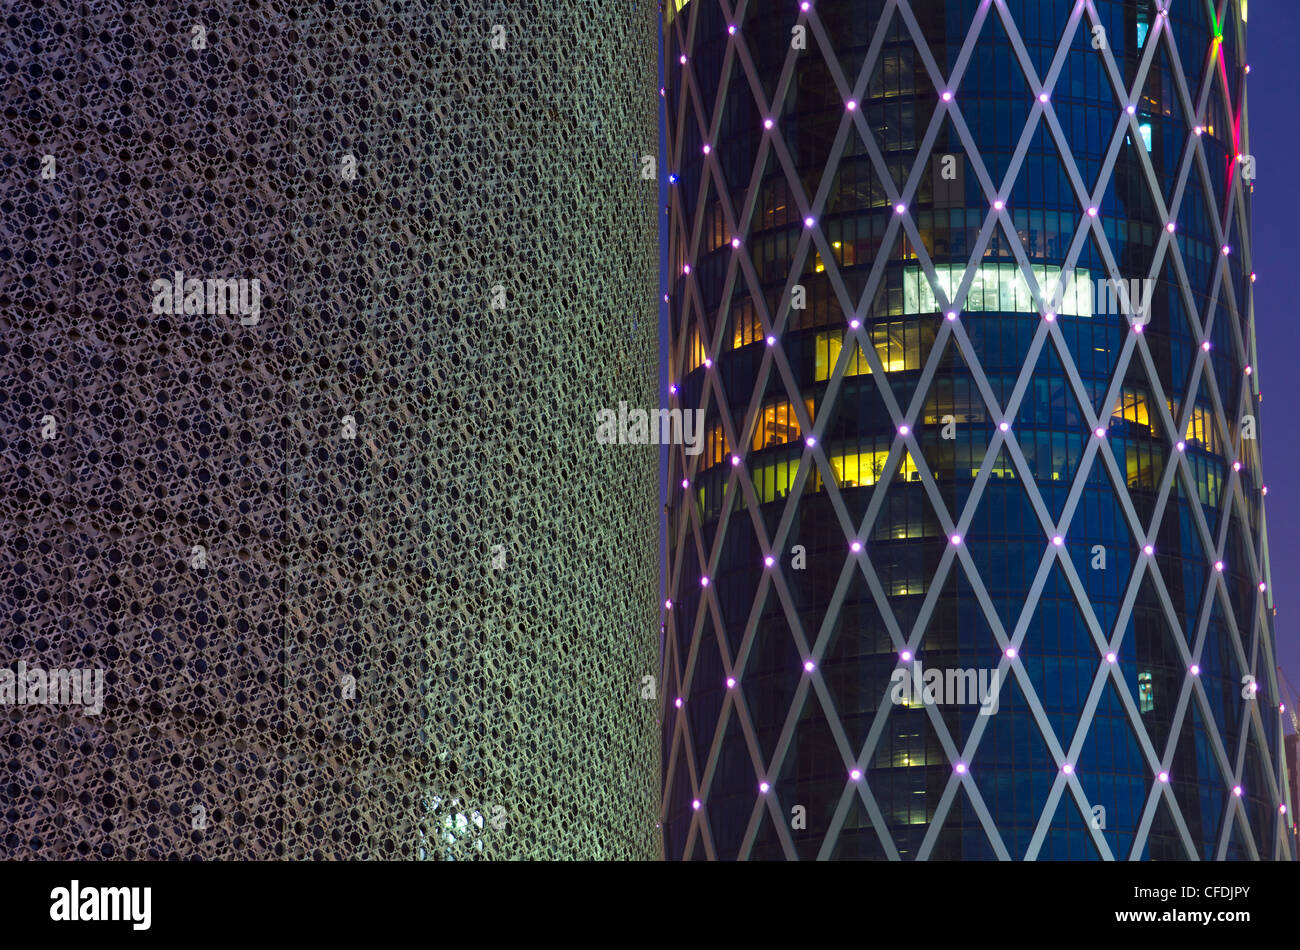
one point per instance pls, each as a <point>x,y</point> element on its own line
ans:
<point>360,580</point>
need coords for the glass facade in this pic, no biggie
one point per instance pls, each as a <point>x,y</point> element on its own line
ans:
<point>963,289</point>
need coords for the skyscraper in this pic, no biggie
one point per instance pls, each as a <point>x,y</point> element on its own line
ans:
<point>304,314</point>
<point>973,561</point>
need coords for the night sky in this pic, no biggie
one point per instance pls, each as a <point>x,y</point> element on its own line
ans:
<point>1274,122</point>
<point>1272,102</point>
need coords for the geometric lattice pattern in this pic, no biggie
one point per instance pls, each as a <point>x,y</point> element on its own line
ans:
<point>912,456</point>
<point>360,580</point>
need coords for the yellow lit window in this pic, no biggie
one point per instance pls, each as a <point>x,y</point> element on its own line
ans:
<point>715,446</point>
<point>1132,407</point>
<point>694,351</point>
<point>777,425</point>
<point>746,327</point>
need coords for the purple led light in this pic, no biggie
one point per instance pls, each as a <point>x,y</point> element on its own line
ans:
<point>682,59</point>
<point>732,29</point>
<point>686,483</point>
<point>668,604</point>
<point>855,774</point>
<point>947,96</point>
<point>735,242</point>
<point>1205,345</point>
<point>763,787</point>
<point>704,581</point>
<point>808,222</point>
<point>960,768</point>
<point>1110,657</point>
<point>1163,776</point>
<point>851,104</point>
<point>1281,809</point>
<point>1226,250</point>
<point>955,539</point>
<point>809,666</point>
<point>1236,466</point>
<point>1092,212</point>
<point>1218,566</point>
<point>998,205</point>
<point>810,441</point>
<point>1171,227</point>
<point>1148,550</point>
<point>1197,130</point>
<point>771,341</point>
<point>805,5</point>
<point>906,656</point>
<point>707,149</point>
<point>696,804</point>
<point>1137,328</point>
<point>1194,670</point>
<point>952,314</point>
<point>1262,587</point>
<point>1099,432</point>
<point>854,323</point>
<point>904,429</point>
<point>900,208</point>
<point>686,268</point>
<point>678,702</point>
<point>1004,426</point>
<point>1011,653</point>
<point>708,362</point>
<point>731,682</point>
<point>1131,109</point>
<point>735,460</point>
<point>855,546</point>
<point>1180,446</point>
<point>1236,790</point>
<point>1058,540</point>
<point>769,561</point>
<point>673,389</point>
<point>1067,768</point>
<point>1042,96</point>
<point>1049,316</point>
<point>767,123</point>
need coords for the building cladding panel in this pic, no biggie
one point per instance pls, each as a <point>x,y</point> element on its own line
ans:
<point>921,455</point>
<point>361,581</point>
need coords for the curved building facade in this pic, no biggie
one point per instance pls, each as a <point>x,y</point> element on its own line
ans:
<point>972,561</point>
<point>305,311</point>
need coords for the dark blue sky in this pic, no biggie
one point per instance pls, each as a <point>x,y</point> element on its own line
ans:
<point>1273,104</point>
<point>1273,99</point>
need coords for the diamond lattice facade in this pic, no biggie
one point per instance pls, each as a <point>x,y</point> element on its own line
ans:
<point>943,439</point>
<point>359,579</point>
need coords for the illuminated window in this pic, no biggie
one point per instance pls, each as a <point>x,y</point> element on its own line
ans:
<point>1000,288</point>
<point>777,425</point>
<point>1146,693</point>
<point>694,351</point>
<point>746,328</point>
<point>715,446</point>
<point>898,347</point>
<point>1201,431</point>
<point>1132,408</point>
<point>773,482</point>
<point>861,469</point>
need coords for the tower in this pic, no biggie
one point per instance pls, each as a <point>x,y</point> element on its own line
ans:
<point>972,562</point>
<point>338,533</point>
